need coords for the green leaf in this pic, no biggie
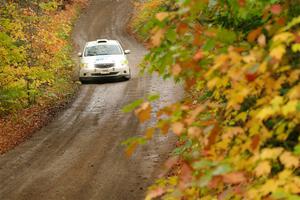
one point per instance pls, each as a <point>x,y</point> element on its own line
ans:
<point>298,107</point>
<point>153,97</point>
<point>209,45</point>
<point>202,164</point>
<point>226,36</point>
<point>204,180</point>
<point>171,35</point>
<point>222,169</point>
<point>138,140</point>
<point>297,150</point>
<point>130,107</point>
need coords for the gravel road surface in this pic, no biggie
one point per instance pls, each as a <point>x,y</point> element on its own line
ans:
<point>78,155</point>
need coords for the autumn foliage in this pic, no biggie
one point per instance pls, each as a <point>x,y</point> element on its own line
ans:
<point>35,63</point>
<point>239,124</point>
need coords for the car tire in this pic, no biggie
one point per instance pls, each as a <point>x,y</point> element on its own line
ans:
<point>82,81</point>
<point>127,77</point>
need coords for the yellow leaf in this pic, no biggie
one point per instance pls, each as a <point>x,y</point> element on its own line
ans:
<point>263,168</point>
<point>278,52</point>
<point>252,194</point>
<point>271,153</point>
<point>269,187</point>
<point>294,93</point>
<point>290,107</point>
<point>285,174</point>
<point>265,113</point>
<point>296,47</point>
<point>294,186</point>
<point>289,160</point>
<point>231,132</point>
<point>284,37</point>
<point>237,95</point>
<point>213,82</point>
<point>277,101</point>
<point>263,67</point>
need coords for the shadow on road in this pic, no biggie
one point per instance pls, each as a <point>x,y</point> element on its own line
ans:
<point>104,81</point>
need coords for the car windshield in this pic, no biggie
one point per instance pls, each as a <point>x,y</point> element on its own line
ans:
<point>103,50</point>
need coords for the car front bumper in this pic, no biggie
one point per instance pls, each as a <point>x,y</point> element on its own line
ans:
<point>98,73</point>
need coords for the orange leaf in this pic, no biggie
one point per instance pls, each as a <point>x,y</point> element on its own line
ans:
<point>164,127</point>
<point>251,76</point>
<point>215,182</point>
<point>171,162</point>
<point>242,3</point>
<point>182,28</point>
<point>194,132</point>
<point>178,128</point>
<point>190,83</point>
<point>161,16</point>
<point>255,142</point>
<point>186,174</point>
<point>144,112</point>
<point>149,133</point>
<point>198,56</point>
<point>157,38</point>
<point>176,69</point>
<point>213,136</point>
<point>254,34</point>
<point>281,21</point>
<point>197,40</point>
<point>276,9</point>
<point>194,113</point>
<point>129,151</point>
<point>234,178</point>
<point>155,193</point>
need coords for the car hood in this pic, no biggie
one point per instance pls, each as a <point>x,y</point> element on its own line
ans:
<point>103,59</point>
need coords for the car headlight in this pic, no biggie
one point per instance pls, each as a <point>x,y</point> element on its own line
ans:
<point>83,65</point>
<point>123,63</point>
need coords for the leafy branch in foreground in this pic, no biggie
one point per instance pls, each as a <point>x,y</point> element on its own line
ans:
<point>238,127</point>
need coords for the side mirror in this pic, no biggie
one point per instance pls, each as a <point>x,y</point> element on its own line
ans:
<point>127,51</point>
<point>79,54</point>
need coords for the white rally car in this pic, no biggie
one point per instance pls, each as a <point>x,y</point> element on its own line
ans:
<point>103,58</point>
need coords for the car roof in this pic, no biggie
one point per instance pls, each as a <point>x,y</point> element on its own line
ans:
<point>102,41</point>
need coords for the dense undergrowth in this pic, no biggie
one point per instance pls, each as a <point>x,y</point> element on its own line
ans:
<point>239,124</point>
<point>35,52</point>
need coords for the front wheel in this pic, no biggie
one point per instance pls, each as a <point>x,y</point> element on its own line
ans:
<point>127,77</point>
<point>82,81</point>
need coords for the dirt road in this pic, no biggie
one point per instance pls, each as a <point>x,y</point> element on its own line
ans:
<point>78,155</point>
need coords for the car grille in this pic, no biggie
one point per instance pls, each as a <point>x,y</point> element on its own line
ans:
<point>99,74</point>
<point>106,65</point>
